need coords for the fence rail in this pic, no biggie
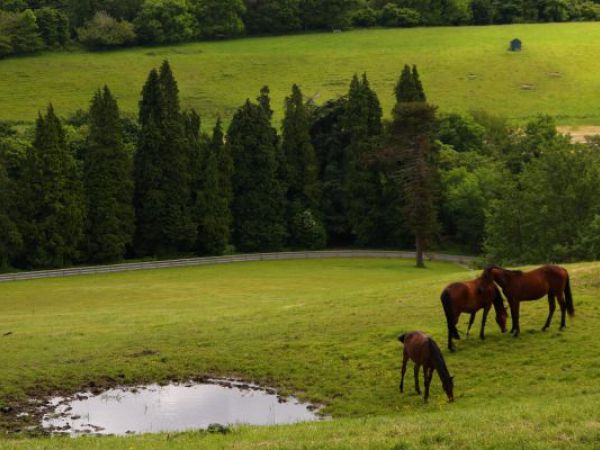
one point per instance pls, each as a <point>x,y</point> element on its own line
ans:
<point>190,262</point>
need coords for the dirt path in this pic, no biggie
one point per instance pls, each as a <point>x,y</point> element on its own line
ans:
<point>579,134</point>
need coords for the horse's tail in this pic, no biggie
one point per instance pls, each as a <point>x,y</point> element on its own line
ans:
<point>439,363</point>
<point>447,304</point>
<point>569,297</point>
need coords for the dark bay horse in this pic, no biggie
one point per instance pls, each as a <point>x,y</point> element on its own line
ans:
<point>470,297</point>
<point>519,286</point>
<point>423,351</point>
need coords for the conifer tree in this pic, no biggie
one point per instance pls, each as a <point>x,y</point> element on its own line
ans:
<point>53,204</point>
<point>409,89</point>
<point>108,182</point>
<point>10,237</point>
<point>214,201</point>
<point>410,159</point>
<point>301,174</point>
<point>258,207</point>
<point>163,200</point>
<point>418,85</point>
<point>363,125</point>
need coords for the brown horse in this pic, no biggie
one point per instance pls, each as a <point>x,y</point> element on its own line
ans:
<point>470,297</point>
<point>519,286</point>
<point>423,351</point>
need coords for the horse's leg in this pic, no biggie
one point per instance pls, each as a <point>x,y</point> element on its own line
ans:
<point>417,388</point>
<point>471,321</point>
<point>563,310</point>
<point>551,308</point>
<point>451,335</point>
<point>428,376</point>
<point>486,310</point>
<point>514,312</point>
<point>404,364</point>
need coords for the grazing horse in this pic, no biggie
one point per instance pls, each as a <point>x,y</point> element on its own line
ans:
<point>423,351</point>
<point>519,286</point>
<point>470,297</point>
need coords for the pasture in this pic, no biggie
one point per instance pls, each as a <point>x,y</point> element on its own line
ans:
<point>324,330</point>
<point>463,69</point>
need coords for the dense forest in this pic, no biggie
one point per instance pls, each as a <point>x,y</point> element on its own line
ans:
<point>100,187</point>
<point>32,25</point>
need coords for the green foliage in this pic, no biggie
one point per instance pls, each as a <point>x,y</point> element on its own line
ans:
<point>409,87</point>
<point>307,231</point>
<point>546,210</point>
<point>392,15</point>
<point>108,183</point>
<point>462,132</point>
<point>214,202</point>
<point>52,201</point>
<point>219,18</point>
<point>272,16</point>
<point>165,21</point>
<point>54,26</point>
<point>300,171</point>
<point>163,180</point>
<point>19,33</point>
<point>258,205</point>
<point>104,31</point>
<point>10,237</point>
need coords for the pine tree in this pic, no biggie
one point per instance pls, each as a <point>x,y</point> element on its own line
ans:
<point>421,97</point>
<point>10,237</point>
<point>409,156</point>
<point>301,174</point>
<point>408,88</point>
<point>363,125</point>
<point>214,201</point>
<point>53,204</point>
<point>108,183</point>
<point>163,200</point>
<point>258,207</point>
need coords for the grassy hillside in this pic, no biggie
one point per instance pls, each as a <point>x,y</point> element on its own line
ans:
<point>463,68</point>
<point>325,330</point>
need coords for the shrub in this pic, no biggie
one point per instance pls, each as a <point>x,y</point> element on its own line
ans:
<point>104,31</point>
<point>365,17</point>
<point>394,16</point>
<point>308,232</point>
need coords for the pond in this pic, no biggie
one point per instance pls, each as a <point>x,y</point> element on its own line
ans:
<point>174,407</point>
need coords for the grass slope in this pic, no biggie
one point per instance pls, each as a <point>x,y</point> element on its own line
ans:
<point>463,68</point>
<point>324,329</point>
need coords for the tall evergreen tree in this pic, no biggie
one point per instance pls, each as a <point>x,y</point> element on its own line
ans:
<point>258,207</point>
<point>301,174</point>
<point>214,202</point>
<point>108,181</point>
<point>410,159</point>
<point>53,204</point>
<point>163,170</point>
<point>409,87</point>
<point>10,237</point>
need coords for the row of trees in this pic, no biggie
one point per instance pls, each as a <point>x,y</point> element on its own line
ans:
<point>30,25</point>
<point>100,187</point>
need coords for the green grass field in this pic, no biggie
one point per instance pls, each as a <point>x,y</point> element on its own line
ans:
<point>463,68</point>
<point>324,330</point>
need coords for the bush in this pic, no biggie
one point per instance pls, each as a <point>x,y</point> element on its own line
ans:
<point>307,232</point>
<point>104,31</point>
<point>394,16</point>
<point>365,17</point>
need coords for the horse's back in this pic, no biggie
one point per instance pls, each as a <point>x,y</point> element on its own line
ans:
<point>416,346</point>
<point>466,295</point>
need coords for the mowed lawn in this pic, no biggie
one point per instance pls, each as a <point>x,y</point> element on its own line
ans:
<point>463,68</point>
<point>323,330</point>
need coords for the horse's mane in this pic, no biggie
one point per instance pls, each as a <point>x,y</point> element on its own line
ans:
<point>498,301</point>
<point>440,364</point>
<point>516,272</point>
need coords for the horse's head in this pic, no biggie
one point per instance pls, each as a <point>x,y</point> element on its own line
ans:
<point>501,319</point>
<point>449,388</point>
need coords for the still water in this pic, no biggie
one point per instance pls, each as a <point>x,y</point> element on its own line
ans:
<point>174,407</point>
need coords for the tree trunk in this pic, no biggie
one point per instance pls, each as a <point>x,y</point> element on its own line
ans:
<point>420,258</point>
